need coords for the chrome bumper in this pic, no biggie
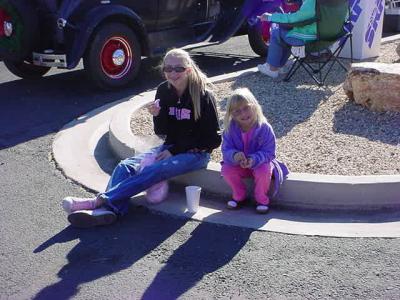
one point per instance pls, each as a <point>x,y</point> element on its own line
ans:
<point>50,60</point>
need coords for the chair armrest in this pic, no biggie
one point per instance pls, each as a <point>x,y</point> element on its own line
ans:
<point>298,24</point>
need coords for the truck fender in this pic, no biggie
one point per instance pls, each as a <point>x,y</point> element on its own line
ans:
<point>100,15</point>
<point>249,10</point>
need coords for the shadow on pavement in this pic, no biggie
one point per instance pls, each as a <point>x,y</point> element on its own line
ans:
<point>104,156</point>
<point>31,109</point>
<point>217,63</point>
<point>106,250</point>
<point>103,251</point>
<point>208,249</point>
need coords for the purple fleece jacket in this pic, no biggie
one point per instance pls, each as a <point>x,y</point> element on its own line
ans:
<point>261,145</point>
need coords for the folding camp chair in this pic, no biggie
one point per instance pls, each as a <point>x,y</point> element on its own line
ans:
<point>333,27</point>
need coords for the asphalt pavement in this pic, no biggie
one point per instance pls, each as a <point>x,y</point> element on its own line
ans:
<point>148,255</point>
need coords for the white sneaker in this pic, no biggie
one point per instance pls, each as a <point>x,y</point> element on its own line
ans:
<point>262,209</point>
<point>90,218</point>
<point>232,204</point>
<point>265,69</point>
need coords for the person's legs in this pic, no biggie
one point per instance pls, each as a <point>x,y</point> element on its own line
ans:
<point>262,180</point>
<point>289,41</point>
<point>117,197</point>
<point>129,167</point>
<point>278,50</point>
<point>278,53</point>
<point>233,176</point>
<point>125,169</point>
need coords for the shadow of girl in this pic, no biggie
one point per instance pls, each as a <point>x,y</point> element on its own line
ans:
<point>354,119</point>
<point>209,248</point>
<point>106,250</point>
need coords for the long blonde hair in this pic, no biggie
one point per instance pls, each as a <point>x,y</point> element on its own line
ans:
<point>197,80</point>
<point>243,96</point>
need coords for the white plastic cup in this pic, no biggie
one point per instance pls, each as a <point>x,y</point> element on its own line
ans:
<point>193,198</point>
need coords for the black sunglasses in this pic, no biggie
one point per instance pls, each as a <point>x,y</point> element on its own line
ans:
<point>169,69</point>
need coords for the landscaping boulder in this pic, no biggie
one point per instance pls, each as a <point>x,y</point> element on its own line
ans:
<point>398,50</point>
<point>374,85</point>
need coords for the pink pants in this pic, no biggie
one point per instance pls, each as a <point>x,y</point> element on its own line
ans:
<point>233,175</point>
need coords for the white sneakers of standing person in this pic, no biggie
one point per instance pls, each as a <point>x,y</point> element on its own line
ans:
<point>266,70</point>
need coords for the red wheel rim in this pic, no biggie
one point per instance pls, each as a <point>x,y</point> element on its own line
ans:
<point>4,17</point>
<point>116,57</point>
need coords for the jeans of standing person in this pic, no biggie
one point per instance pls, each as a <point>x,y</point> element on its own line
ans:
<point>234,175</point>
<point>279,47</point>
<point>126,180</point>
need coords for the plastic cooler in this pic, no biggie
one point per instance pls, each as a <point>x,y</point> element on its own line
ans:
<point>367,25</point>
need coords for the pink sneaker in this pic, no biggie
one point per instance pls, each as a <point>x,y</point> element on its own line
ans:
<point>71,204</point>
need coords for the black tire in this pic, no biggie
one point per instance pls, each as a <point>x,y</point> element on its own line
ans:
<point>256,41</point>
<point>21,43</point>
<point>26,70</point>
<point>112,39</point>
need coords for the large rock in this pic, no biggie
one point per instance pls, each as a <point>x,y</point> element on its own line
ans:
<point>374,85</point>
<point>398,50</point>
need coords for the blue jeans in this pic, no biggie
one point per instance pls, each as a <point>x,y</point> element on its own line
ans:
<point>126,180</point>
<point>279,47</point>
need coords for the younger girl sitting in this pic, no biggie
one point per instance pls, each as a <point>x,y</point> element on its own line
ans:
<point>248,149</point>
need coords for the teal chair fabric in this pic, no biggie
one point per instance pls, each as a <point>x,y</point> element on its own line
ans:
<point>333,17</point>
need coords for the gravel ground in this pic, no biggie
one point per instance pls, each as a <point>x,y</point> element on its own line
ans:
<point>318,130</point>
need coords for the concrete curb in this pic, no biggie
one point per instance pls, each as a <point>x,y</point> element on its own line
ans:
<point>345,224</point>
<point>122,141</point>
<point>300,190</point>
<point>389,39</point>
<point>77,146</point>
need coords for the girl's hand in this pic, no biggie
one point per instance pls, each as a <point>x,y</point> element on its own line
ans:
<point>154,108</point>
<point>247,164</point>
<point>239,157</point>
<point>264,16</point>
<point>163,155</point>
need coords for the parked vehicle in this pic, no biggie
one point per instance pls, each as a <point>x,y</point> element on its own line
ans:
<point>111,36</point>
